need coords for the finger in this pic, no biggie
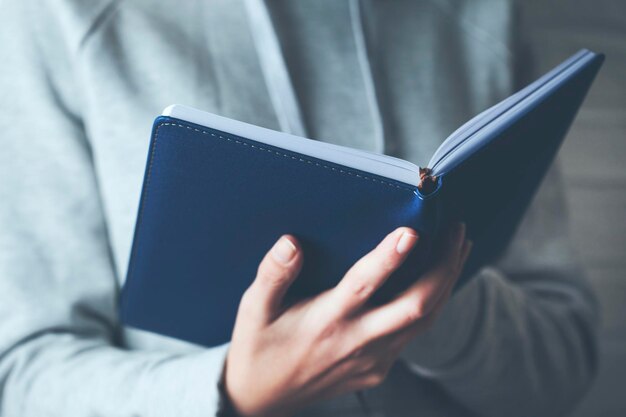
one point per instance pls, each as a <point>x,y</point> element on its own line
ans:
<point>370,367</point>
<point>276,272</point>
<point>451,246</point>
<point>447,293</point>
<point>418,300</point>
<point>426,322</point>
<point>371,271</point>
<point>393,344</point>
<point>465,252</point>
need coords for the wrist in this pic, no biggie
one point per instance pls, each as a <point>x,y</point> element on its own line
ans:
<point>225,407</point>
<point>232,404</point>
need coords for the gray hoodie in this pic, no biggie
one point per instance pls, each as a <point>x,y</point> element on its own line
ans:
<point>80,83</point>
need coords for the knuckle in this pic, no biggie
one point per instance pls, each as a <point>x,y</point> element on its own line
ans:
<point>277,279</point>
<point>388,264</point>
<point>272,274</point>
<point>328,330</point>
<point>416,309</point>
<point>361,290</point>
<point>412,314</point>
<point>353,351</point>
<point>247,304</point>
<point>246,300</point>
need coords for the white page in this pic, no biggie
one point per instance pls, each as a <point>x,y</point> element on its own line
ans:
<point>383,165</point>
<point>491,119</point>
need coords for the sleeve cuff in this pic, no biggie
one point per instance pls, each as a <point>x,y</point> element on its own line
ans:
<point>185,385</point>
<point>224,407</point>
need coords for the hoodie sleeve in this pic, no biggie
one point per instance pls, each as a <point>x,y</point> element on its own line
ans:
<point>58,326</point>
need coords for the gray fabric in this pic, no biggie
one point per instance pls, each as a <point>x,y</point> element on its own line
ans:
<point>81,83</point>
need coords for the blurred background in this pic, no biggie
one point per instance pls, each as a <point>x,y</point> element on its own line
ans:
<point>594,163</point>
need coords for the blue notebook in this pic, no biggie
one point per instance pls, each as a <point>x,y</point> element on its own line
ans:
<point>218,193</point>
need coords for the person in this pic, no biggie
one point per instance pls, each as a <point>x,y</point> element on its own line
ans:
<point>81,83</point>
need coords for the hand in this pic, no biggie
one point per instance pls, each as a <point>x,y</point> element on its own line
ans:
<point>281,359</point>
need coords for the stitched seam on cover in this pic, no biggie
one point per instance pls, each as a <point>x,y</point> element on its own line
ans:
<point>276,153</point>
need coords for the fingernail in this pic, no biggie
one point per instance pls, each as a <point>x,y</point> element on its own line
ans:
<point>406,242</point>
<point>284,250</point>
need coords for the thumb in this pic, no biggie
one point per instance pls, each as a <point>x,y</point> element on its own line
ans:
<point>277,271</point>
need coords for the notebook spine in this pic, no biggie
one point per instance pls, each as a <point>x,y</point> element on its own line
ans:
<point>428,182</point>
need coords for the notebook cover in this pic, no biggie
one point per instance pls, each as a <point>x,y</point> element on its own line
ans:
<point>491,183</point>
<point>213,204</point>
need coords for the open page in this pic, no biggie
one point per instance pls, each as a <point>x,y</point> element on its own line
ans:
<point>483,126</point>
<point>383,165</point>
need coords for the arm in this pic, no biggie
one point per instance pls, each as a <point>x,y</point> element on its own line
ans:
<point>520,339</point>
<point>58,327</point>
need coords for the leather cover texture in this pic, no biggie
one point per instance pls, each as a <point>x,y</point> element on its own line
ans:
<point>213,204</point>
